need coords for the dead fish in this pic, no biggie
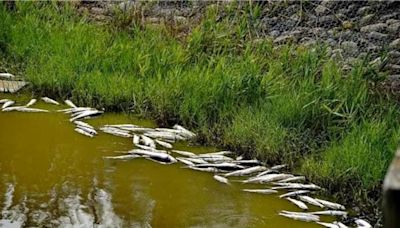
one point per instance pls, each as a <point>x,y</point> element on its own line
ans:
<point>238,158</point>
<point>223,165</point>
<point>23,109</point>
<point>163,135</point>
<point>217,159</point>
<point>209,169</point>
<point>163,144</point>
<point>247,171</point>
<point>136,139</point>
<point>87,129</point>
<point>143,147</point>
<point>331,213</point>
<point>267,178</point>
<point>185,161</point>
<point>331,205</point>
<point>268,171</point>
<point>298,203</point>
<point>83,124</point>
<point>7,104</point>
<point>70,104</point>
<point>155,155</point>
<point>184,153</point>
<point>362,223</point>
<point>50,101</point>
<point>311,201</point>
<point>148,141</point>
<point>86,114</point>
<point>297,186</point>
<point>116,133</point>
<point>261,191</point>
<point>80,131</point>
<point>75,111</point>
<point>123,157</point>
<point>221,179</point>
<point>184,131</point>
<point>341,225</point>
<point>222,153</point>
<point>277,167</point>
<point>4,101</point>
<point>247,162</point>
<point>329,225</point>
<point>31,102</point>
<point>300,217</point>
<point>197,161</point>
<point>6,75</point>
<point>295,193</point>
<point>290,179</point>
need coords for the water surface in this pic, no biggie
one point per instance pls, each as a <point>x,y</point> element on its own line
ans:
<point>52,176</point>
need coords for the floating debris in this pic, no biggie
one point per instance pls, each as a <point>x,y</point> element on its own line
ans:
<point>50,101</point>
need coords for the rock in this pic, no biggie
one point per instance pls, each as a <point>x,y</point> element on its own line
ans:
<point>379,27</point>
<point>363,10</point>
<point>367,19</point>
<point>284,39</point>
<point>337,54</point>
<point>389,16</point>
<point>391,21</point>
<point>394,27</point>
<point>377,35</point>
<point>97,10</point>
<point>180,20</point>
<point>274,33</point>
<point>320,9</point>
<point>393,68</point>
<point>349,47</point>
<point>395,44</point>
<point>394,54</point>
<point>327,21</point>
<point>347,24</point>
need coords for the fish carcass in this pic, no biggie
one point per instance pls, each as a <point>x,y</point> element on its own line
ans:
<point>246,171</point>
<point>50,101</point>
<point>31,102</point>
<point>298,203</point>
<point>7,104</point>
<point>261,191</point>
<point>221,179</point>
<point>311,201</point>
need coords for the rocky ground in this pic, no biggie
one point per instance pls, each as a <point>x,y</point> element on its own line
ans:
<point>352,29</point>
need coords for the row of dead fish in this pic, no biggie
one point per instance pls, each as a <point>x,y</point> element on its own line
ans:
<point>224,166</point>
<point>156,144</point>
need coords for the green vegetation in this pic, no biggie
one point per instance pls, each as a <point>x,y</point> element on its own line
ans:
<point>283,104</point>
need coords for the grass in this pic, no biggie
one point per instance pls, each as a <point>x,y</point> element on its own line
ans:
<point>280,103</point>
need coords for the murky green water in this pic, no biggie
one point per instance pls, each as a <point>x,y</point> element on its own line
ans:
<point>52,176</point>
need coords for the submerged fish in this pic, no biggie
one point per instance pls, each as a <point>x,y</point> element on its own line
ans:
<point>311,201</point>
<point>50,101</point>
<point>289,194</point>
<point>70,104</point>
<point>331,205</point>
<point>221,179</point>
<point>31,102</point>
<point>298,203</point>
<point>261,191</point>
<point>7,104</point>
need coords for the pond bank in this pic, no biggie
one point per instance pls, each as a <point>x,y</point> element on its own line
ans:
<point>285,104</point>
